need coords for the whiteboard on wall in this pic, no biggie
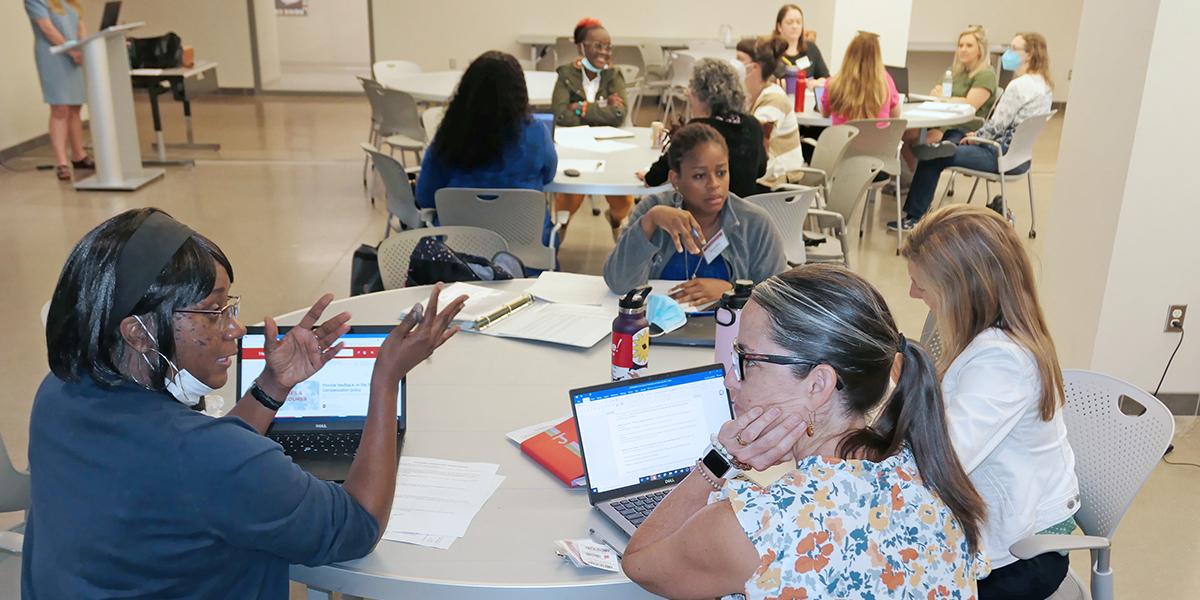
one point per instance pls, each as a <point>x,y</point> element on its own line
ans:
<point>889,18</point>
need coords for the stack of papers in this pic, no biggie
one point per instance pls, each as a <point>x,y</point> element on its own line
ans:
<point>436,499</point>
<point>585,138</point>
<point>573,288</point>
<point>587,553</point>
<point>480,300</point>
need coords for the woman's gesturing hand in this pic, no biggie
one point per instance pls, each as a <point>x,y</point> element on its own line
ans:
<point>417,336</point>
<point>305,348</point>
<point>679,224</point>
<point>762,438</point>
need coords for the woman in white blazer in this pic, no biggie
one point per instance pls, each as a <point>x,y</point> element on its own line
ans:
<point>1002,386</point>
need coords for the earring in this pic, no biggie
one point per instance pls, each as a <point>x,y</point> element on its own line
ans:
<point>809,429</point>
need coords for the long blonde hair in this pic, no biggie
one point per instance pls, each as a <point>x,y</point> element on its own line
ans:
<point>860,88</point>
<point>981,40</point>
<point>1039,56</point>
<point>59,9</point>
<point>980,277</point>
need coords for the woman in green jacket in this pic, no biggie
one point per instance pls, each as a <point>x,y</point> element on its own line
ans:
<point>590,92</point>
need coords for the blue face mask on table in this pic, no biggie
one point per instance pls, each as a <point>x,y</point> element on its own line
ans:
<point>1010,60</point>
<point>665,312</point>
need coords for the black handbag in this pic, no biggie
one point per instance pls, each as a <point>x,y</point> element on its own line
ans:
<point>162,52</point>
<point>364,271</point>
<point>433,261</point>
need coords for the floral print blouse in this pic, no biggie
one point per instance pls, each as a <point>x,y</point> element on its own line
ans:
<point>836,528</point>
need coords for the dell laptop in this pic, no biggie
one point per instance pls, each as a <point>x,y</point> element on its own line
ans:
<point>322,421</point>
<point>640,437</point>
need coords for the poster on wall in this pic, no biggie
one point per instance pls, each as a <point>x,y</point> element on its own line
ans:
<point>291,8</point>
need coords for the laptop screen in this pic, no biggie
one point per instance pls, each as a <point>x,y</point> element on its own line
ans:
<point>635,434</point>
<point>547,121</point>
<point>336,397</point>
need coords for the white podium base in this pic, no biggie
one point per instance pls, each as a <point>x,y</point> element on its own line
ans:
<point>127,184</point>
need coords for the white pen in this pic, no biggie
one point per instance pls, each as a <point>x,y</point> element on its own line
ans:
<point>597,537</point>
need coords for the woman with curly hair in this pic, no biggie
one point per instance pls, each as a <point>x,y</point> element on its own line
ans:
<point>488,138</point>
<point>716,98</point>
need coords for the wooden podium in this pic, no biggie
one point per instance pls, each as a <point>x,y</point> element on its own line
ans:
<point>110,108</point>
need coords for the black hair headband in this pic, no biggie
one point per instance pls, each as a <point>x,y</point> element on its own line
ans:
<point>148,251</point>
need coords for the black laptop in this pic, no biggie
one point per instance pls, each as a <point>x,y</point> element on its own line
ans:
<point>112,10</point>
<point>322,421</point>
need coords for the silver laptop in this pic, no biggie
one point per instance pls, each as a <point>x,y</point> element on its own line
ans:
<point>641,437</point>
<point>321,423</point>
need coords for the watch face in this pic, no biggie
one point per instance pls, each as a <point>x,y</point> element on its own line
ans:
<point>716,463</point>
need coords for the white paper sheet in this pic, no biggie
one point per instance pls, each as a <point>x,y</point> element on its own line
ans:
<point>583,138</point>
<point>524,433</point>
<point>572,288</point>
<point>480,300</point>
<point>437,497</point>
<point>610,133</point>
<point>567,324</point>
<point>663,286</point>
<point>582,165</point>
<point>441,542</point>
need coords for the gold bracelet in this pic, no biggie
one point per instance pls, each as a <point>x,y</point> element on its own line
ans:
<point>704,473</point>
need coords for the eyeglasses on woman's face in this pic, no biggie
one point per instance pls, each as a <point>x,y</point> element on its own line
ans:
<point>740,359</point>
<point>223,316</point>
<point>598,47</point>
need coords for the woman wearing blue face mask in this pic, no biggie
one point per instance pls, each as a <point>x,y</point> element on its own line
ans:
<point>590,92</point>
<point>1029,93</point>
<point>135,490</point>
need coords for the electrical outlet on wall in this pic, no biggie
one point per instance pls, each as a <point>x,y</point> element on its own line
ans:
<point>1175,316</point>
<point>453,63</point>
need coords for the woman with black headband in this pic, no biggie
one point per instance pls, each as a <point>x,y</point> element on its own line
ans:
<point>134,492</point>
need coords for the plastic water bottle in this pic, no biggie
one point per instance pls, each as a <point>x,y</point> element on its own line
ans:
<point>727,314</point>
<point>948,84</point>
<point>631,336</point>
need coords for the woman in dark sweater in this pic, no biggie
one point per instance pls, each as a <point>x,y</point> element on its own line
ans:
<point>801,53</point>
<point>716,98</point>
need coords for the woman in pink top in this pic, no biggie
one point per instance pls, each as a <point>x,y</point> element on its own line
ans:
<point>862,89</point>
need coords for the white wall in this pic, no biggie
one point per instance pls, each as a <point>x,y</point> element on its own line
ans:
<point>219,30</point>
<point>888,18</point>
<point>269,68</point>
<point>23,116</point>
<point>940,21</point>
<point>1121,243</point>
<point>334,31</point>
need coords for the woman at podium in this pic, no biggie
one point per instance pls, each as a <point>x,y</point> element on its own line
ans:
<point>56,22</point>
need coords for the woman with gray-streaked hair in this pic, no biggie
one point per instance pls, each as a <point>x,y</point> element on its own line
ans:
<point>716,98</point>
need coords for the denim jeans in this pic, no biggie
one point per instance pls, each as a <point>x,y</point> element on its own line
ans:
<point>978,157</point>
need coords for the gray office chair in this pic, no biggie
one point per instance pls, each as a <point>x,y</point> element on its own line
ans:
<point>931,339</point>
<point>399,122</point>
<point>1115,452</point>
<point>991,111</point>
<point>828,150</point>
<point>788,210</point>
<point>882,143</point>
<point>14,496</point>
<point>395,252</point>
<point>401,205</point>
<point>1020,151</point>
<point>373,99</point>
<point>517,215</point>
<point>846,187</point>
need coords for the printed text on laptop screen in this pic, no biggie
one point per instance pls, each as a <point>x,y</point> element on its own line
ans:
<point>651,430</point>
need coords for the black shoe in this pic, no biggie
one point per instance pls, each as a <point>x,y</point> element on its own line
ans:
<point>932,151</point>
<point>997,205</point>
<point>814,240</point>
<point>907,223</point>
<point>84,163</point>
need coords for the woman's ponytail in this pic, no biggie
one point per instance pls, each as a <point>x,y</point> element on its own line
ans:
<point>917,417</point>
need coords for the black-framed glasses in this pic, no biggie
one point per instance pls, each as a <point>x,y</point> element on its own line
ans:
<point>224,314</point>
<point>598,46</point>
<point>740,356</point>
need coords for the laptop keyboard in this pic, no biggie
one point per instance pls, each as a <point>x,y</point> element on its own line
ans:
<point>638,508</point>
<point>339,443</point>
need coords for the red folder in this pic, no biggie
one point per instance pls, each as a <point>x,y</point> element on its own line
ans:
<point>557,449</point>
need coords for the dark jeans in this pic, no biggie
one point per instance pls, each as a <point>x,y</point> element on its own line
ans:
<point>925,179</point>
<point>1032,579</point>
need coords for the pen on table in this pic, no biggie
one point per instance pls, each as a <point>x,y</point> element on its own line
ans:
<point>599,165</point>
<point>597,537</point>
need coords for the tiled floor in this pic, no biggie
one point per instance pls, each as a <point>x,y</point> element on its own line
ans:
<point>284,199</point>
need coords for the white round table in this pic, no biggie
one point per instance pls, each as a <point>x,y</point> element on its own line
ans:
<point>461,403</point>
<point>917,119</point>
<point>617,178</point>
<point>438,86</point>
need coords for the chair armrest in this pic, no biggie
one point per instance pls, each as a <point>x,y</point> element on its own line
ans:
<point>1041,544</point>
<point>809,141</point>
<point>827,218</point>
<point>799,187</point>
<point>561,217</point>
<point>428,215</point>
<point>996,147</point>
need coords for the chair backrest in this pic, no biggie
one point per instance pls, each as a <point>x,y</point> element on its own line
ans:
<point>370,89</point>
<point>628,55</point>
<point>431,119</point>
<point>630,73</point>
<point>631,98</point>
<point>999,95</point>
<point>400,201</point>
<point>706,44</point>
<point>398,114</point>
<point>386,70</point>
<point>565,50</point>
<point>396,250</point>
<point>652,54</point>
<point>1020,149</point>
<point>879,138</point>
<point>832,146</point>
<point>680,70</point>
<point>14,485</point>
<point>848,183</point>
<point>517,215</point>
<point>931,339</point>
<point>1114,451</point>
<point>788,210</point>
<point>1003,76</point>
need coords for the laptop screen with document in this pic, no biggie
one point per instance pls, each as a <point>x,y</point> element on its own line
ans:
<point>337,396</point>
<point>635,434</point>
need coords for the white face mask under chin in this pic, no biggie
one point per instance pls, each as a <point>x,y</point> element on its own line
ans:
<point>185,387</point>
